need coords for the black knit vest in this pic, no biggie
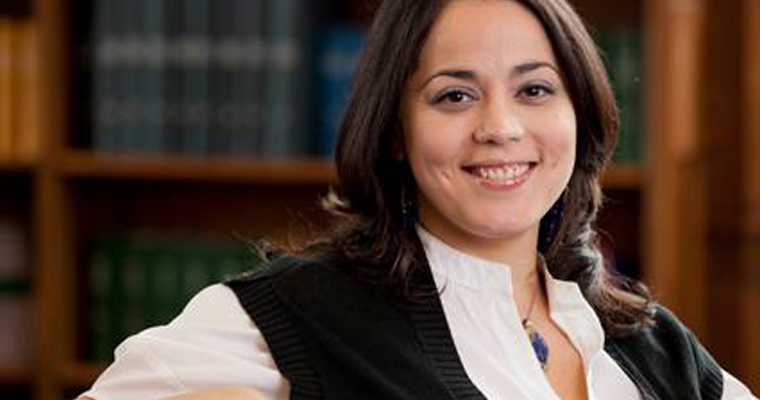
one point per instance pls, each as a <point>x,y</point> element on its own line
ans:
<point>334,337</point>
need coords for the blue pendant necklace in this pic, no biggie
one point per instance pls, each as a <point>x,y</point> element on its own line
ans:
<point>540,347</point>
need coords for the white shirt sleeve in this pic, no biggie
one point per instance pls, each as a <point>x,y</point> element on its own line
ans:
<point>735,390</point>
<point>213,342</point>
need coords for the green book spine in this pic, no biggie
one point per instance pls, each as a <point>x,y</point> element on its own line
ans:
<point>105,256</point>
<point>622,48</point>
<point>164,281</point>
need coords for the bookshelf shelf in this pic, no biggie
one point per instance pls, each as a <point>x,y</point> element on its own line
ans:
<point>11,375</point>
<point>623,177</point>
<point>82,164</point>
<point>13,167</point>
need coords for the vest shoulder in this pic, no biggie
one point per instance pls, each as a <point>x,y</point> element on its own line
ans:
<point>669,354</point>
<point>289,269</point>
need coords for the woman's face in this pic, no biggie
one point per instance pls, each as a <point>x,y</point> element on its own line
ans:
<point>489,129</point>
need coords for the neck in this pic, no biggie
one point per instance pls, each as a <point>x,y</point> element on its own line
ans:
<point>517,251</point>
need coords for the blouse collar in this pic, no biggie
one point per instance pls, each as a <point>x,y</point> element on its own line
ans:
<point>450,266</point>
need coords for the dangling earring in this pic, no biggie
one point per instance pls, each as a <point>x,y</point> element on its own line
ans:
<point>550,223</point>
<point>407,205</point>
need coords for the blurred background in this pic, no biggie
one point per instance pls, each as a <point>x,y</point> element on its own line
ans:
<point>144,143</point>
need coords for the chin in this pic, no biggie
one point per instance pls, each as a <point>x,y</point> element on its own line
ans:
<point>500,230</point>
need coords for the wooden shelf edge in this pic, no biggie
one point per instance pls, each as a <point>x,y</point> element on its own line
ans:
<point>14,167</point>
<point>13,375</point>
<point>80,374</point>
<point>623,177</point>
<point>83,164</point>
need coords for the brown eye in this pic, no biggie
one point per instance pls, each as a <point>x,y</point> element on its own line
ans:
<point>454,96</point>
<point>534,92</point>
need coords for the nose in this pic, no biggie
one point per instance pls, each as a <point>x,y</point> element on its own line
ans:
<point>499,124</point>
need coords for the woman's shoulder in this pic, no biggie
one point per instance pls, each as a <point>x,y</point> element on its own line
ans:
<point>668,350</point>
<point>666,330</point>
<point>288,267</point>
<point>297,276</point>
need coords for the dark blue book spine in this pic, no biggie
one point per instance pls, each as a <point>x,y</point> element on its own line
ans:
<point>286,88</point>
<point>172,82</point>
<point>104,84</point>
<point>196,59</point>
<point>339,48</point>
<point>153,71</point>
<point>248,94</point>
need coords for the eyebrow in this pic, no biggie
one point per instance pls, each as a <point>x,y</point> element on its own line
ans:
<point>519,69</point>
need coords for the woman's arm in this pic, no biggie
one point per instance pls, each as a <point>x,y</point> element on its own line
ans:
<point>222,393</point>
<point>212,344</point>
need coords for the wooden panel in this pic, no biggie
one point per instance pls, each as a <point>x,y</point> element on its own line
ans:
<point>50,204</point>
<point>750,301</point>
<point>721,120</point>
<point>674,249</point>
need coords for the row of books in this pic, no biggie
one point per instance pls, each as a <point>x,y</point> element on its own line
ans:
<point>15,296</point>
<point>231,78</point>
<point>622,51</point>
<point>19,88</point>
<point>136,280</point>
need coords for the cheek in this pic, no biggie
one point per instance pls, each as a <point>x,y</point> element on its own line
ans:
<point>560,140</point>
<point>431,140</point>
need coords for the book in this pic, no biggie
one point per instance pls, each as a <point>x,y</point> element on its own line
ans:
<point>26,101</point>
<point>6,112</point>
<point>225,58</point>
<point>247,96</point>
<point>194,60</point>
<point>287,93</point>
<point>141,279</point>
<point>130,33</point>
<point>101,304</point>
<point>15,297</point>
<point>14,262</point>
<point>339,48</point>
<point>151,129</point>
<point>104,76</point>
<point>622,52</point>
<point>15,337</point>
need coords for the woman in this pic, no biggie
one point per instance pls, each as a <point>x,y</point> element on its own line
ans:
<point>464,263</point>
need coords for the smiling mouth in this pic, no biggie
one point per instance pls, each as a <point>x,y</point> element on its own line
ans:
<point>502,176</point>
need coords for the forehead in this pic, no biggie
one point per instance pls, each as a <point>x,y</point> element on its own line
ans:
<point>485,32</point>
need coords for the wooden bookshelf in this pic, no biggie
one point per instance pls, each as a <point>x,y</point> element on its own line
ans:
<point>15,376</point>
<point>8,167</point>
<point>655,211</point>
<point>623,177</point>
<point>82,164</point>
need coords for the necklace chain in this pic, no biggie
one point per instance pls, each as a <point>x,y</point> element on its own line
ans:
<point>537,341</point>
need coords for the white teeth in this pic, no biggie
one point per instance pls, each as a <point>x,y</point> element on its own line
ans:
<point>507,173</point>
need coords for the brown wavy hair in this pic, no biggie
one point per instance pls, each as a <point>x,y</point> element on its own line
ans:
<point>370,227</point>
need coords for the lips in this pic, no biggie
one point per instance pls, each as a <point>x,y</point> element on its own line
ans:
<point>501,174</point>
